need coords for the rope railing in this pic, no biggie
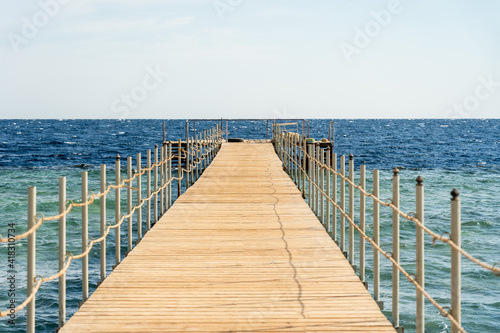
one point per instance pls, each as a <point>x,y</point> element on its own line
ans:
<point>291,148</point>
<point>93,197</point>
<point>205,152</point>
<point>435,236</point>
<point>386,254</point>
<point>90,201</point>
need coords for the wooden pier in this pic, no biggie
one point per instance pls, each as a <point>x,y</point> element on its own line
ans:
<point>240,251</point>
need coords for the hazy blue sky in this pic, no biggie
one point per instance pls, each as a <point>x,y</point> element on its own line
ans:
<point>249,58</point>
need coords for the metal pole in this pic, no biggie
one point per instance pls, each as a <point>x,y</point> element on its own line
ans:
<point>155,202</point>
<point>194,159</point>
<point>342,204</point>
<point>334,197</point>
<point>322,186</point>
<point>351,209</point>
<point>139,198</point>
<point>328,190</point>
<point>376,238</point>
<point>309,170</point>
<point>166,176</point>
<point>162,178</point>
<point>420,276</point>
<point>317,169</point>
<point>296,164</point>
<point>117,212</point>
<point>85,238</point>
<point>304,159</point>
<point>289,155</point>
<point>31,260</point>
<point>169,174</point>
<point>129,203</point>
<point>362,209</point>
<point>285,152</point>
<point>210,131</point>
<point>267,130</point>
<point>395,249</point>
<point>313,173</point>
<point>148,190</point>
<point>456,306</point>
<point>103,222</point>
<point>188,163</point>
<point>62,251</point>
<point>179,168</point>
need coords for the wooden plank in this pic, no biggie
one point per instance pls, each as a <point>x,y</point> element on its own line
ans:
<point>240,251</point>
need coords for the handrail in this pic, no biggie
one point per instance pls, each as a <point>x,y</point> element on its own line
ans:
<point>198,153</point>
<point>306,166</point>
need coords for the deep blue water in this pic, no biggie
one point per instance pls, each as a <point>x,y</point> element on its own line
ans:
<point>448,153</point>
<point>448,144</point>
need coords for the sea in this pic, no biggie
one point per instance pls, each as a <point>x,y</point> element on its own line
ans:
<point>447,153</point>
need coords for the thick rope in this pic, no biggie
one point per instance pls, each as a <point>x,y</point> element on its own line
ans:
<point>39,280</point>
<point>435,236</point>
<point>408,276</point>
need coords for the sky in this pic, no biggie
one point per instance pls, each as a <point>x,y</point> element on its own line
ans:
<point>249,59</point>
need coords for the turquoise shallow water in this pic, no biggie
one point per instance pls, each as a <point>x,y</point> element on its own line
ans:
<point>472,167</point>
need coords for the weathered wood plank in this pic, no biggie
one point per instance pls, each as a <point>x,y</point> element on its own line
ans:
<point>240,251</point>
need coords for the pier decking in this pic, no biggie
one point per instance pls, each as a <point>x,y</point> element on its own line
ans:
<point>240,251</point>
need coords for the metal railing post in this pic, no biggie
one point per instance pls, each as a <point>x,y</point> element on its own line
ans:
<point>103,223</point>
<point>309,171</point>
<point>317,197</point>
<point>351,210</point>
<point>197,156</point>
<point>179,167</point>
<point>162,178</point>
<point>204,149</point>
<point>188,162</point>
<point>139,198</point>
<point>328,190</point>
<point>169,174</point>
<point>376,238</point>
<point>117,212</point>
<point>62,251</point>
<point>304,166</point>
<point>148,190</point>
<point>395,249</point>
<point>31,260</point>
<point>155,180</point>
<point>456,307</point>
<point>85,238</point>
<point>322,186</point>
<point>342,204</point>
<point>420,275</point>
<point>362,226</point>
<point>129,204</point>
<point>296,163</point>
<point>334,197</point>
